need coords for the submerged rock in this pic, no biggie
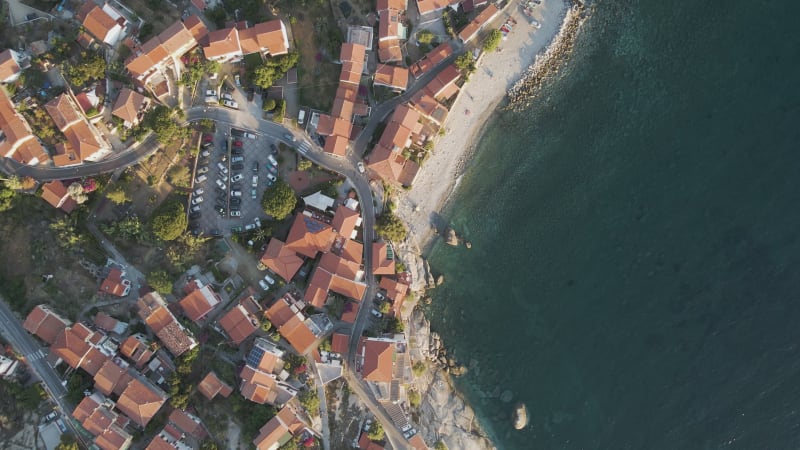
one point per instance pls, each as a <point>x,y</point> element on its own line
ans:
<point>520,416</point>
<point>451,237</point>
<point>440,280</point>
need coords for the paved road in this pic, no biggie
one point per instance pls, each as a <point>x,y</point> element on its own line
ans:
<point>25,345</point>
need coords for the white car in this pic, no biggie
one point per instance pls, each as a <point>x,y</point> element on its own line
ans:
<point>272,177</point>
<point>249,135</point>
<point>236,193</point>
<point>211,92</point>
<point>230,104</point>
<point>220,183</point>
<point>250,227</point>
<point>237,177</point>
<point>236,213</point>
<point>195,208</point>
<point>202,170</point>
<point>257,221</point>
<point>361,168</point>
<point>200,179</point>
<point>199,191</point>
<point>254,183</point>
<point>227,97</point>
<point>272,160</point>
<point>205,154</point>
<point>223,177</point>
<point>263,285</point>
<point>197,200</point>
<point>376,313</point>
<point>269,279</point>
<point>222,167</point>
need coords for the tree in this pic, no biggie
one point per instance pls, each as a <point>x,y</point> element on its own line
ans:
<point>414,399</point>
<point>160,281</point>
<point>6,199</point>
<point>418,368</point>
<point>118,195</point>
<point>466,63</point>
<point>75,190</point>
<point>179,176</point>
<point>161,121</point>
<point>394,325</point>
<point>280,112</point>
<point>279,200</point>
<point>304,164</point>
<point>272,69</point>
<point>440,445</point>
<point>66,231</point>
<point>375,431</point>
<point>309,400</point>
<point>385,307</point>
<point>390,227</point>
<point>92,67</point>
<point>170,222</point>
<point>492,41</point>
<point>425,36</point>
<point>269,104</point>
<point>127,228</point>
<point>13,182</point>
<point>206,125</point>
<point>68,442</point>
<point>266,325</point>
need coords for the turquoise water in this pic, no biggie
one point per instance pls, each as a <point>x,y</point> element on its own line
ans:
<point>635,270</point>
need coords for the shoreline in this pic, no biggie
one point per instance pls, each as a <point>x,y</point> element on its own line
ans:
<point>527,57</point>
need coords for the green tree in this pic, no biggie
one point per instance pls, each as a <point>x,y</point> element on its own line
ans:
<point>385,307</point>
<point>280,112</point>
<point>91,67</point>
<point>13,182</point>
<point>418,368</point>
<point>269,104</point>
<point>376,432</point>
<point>266,325</point>
<point>390,227</point>
<point>127,228</point>
<point>394,325</point>
<point>206,125</point>
<point>272,69</point>
<point>466,63</point>
<point>414,399</point>
<point>68,442</point>
<point>179,176</point>
<point>279,200</point>
<point>170,221</point>
<point>492,41</point>
<point>304,164</point>
<point>6,199</point>
<point>66,231</point>
<point>75,190</point>
<point>161,121</point>
<point>310,401</point>
<point>440,445</point>
<point>118,195</point>
<point>425,36</point>
<point>160,281</point>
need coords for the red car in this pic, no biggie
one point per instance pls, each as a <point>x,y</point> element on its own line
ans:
<point>208,138</point>
<point>237,143</point>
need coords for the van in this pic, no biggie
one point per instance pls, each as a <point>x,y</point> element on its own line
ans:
<point>301,117</point>
<point>200,179</point>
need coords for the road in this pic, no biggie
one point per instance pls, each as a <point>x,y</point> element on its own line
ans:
<point>25,345</point>
<point>323,405</point>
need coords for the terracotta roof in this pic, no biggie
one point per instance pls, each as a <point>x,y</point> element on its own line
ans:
<point>159,443</point>
<point>103,423</point>
<point>353,251</point>
<point>281,311</point>
<point>98,22</point>
<point>364,443</point>
<point>19,143</point>
<point>128,105</point>
<point>340,343</point>
<point>281,259</point>
<point>258,386</point>
<point>239,324</point>
<point>392,76</point>
<point>309,236</point>
<point>176,40</point>
<point>298,334</point>
<point>222,43</point>
<point>8,65</point>
<point>140,401</point>
<point>63,111</point>
<point>472,28</point>
<point>396,291</point>
<point>153,310</point>
<point>389,26</point>
<point>390,4</point>
<point>136,350</point>
<point>444,85</point>
<point>381,264</point>
<point>196,27</point>
<point>389,50</point>
<point>417,443</point>
<point>345,221</point>
<point>378,360</point>
<point>45,324</point>
<point>82,140</point>
<point>352,52</point>
<point>55,193</point>
<point>434,57</point>
<point>114,438</point>
<point>111,378</point>
<point>428,107</point>
<point>350,312</point>
<point>211,385</point>
<point>275,431</point>
<point>71,346</point>
<point>199,303</point>
<point>93,361</point>
<point>336,274</point>
<point>105,321</point>
<point>113,285</point>
<point>188,423</point>
<point>427,6</point>
<point>265,36</point>
<point>336,145</point>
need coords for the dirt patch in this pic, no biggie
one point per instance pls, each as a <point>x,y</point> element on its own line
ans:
<point>159,14</point>
<point>345,412</point>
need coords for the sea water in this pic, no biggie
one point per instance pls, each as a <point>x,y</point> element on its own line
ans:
<point>634,276</point>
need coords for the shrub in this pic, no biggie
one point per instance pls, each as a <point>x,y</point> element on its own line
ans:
<point>390,227</point>
<point>170,222</point>
<point>279,200</point>
<point>425,36</point>
<point>375,431</point>
<point>269,104</point>
<point>160,281</point>
<point>418,368</point>
<point>492,41</point>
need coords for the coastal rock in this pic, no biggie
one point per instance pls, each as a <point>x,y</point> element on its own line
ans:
<point>415,265</point>
<point>440,280</point>
<point>468,244</point>
<point>451,237</point>
<point>506,396</point>
<point>520,416</point>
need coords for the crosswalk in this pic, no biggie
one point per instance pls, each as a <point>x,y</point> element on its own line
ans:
<point>35,356</point>
<point>304,147</point>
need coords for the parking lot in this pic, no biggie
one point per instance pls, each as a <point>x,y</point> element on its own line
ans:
<point>233,170</point>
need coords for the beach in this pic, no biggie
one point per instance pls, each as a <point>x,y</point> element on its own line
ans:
<point>497,73</point>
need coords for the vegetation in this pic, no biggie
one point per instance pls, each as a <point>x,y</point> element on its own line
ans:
<point>160,281</point>
<point>195,71</point>
<point>170,221</point>
<point>418,368</point>
<point>91,67</point>
<point>310,401</point>
<point>466,63</point>
<point>65,229</point>
<point>384,307</point>
<point>161,121</point>
<point>266,325</point>
<point>279,200</point>
<point>68,442</point>
<point>440,446</point>
<point>6,198</point>
<point>492,41</point>
<point>394,325</point>
<point>390,227</point>
<point>375,431</point>
<point>217,15</point>
<point>414,399</point>
<point>77,192</point>
<point>269,104</point>
<point>273,69</point>
<point>179,386</point>
<point>425,36</point>
<point>304,164</point>
<point>251,416</point>
<point>179,176</point>
<point>129,228</point>
<point>78,382</point>
<point>118,195</point>
<point>280,112</point>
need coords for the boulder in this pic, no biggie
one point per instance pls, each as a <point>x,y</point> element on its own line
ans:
<point>520,416</point>
<point>451,237</point>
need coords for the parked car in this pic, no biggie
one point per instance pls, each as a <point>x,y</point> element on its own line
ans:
<point>273,148</point>
<point>237,151</point>
<point>200,179</point>
<point>235,201</point>
<point>195,208</point>
<point>236,213</point>
<point>207,144</point>
<point>222,167</point>
<point>223,177</point>
<point>202,170</point>
<point>237,143</point>
<point>208,138</point>
<point>254,183</point>
<point>253,194</point>
<point>249,135</point>
<point>289,137</point>
<point>220,183</point>
<point>224,157</point>
<point>238,81</point>
<point>269,279</point>
<point>263,285</point>
<point>235,159</point>
<point>205,154</point>
<point>195,214</point>
<point>255,166</point>
<point>230,104</point>
<point>236,229</point>
<point>216,233</point>
<point>301,116</point>
<point>272,177</point>
<point>237,177</point>
<point>227,97</point>
<point>52,415</point>
<point>272,160</point>
<point>361,168</point>
<point>273,170</point>
<point>237,166</point>
<point>211,92</point>
<point>197,200</point>
<point>376,313</point>
<point>236,193</point>
<point>249,227</point>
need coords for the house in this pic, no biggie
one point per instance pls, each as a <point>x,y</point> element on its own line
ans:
<point>211,386</point>
<point>84,142</point>
<point>361,34</point>
<point>200,301</point>
<point>350,312</point>
<point>45,324</point>
<point>429,6</point>
<point>309,236</point>
<point>10,67</point>
<point>377,358</point>
<point>282,260</point>
<point>345,221</point>
<point>260,382</point>
<point>432,59</point>
<point>130,106</point>
<point>55,193</point>
<point>280,429</point>
<point>392,77</point>
<point>95,413</point>
<point>338,126</point>
<point>104,23</point>
<point>137,349</point>
<point>16,138</point>
<point>153,310</point>
<point>189,424</point>
<point>141,401</point>
<point>428,107</point>
<point>340,343</point>
<point>8,367</point>
<point>443,86</point>
<point>286,314</point>
<point>114,284</point>
<point>417,443</point>
<point>396,291</point>
<point>477,24</point>
<point>113,377</point>
<point>319,201</point>
<point>391,29</point>
<point>364,443</point>
<point>387,159</point>
<point>109,324</point>
<point>337,274</point>
<point>80,347</point>
<point>232,44</point>
<point>242,320</point>
<point>382,259</point>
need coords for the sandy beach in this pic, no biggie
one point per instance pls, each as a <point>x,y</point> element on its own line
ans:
<point>497,73</point>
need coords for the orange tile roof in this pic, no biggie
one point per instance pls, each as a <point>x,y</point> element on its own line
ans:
<point>472,28</point>
<point>396,291</point>
<point>137,351</point>
<point>114,438</point>
<point>386,163</point>
<point>298,334</point>
<point>352,52</point>
<point>338,265</point>
<point>140,401</point>
<point>258,386</point>
<point>392,76</point>
<point>390,4</point>
<point>187,423</point>
<point>63,111</point>
<point>344,221</point>
<point>93,361</point>
<point>389,25</point>
<point>221,43</point>
<point>389,50</point>
<point>81,139</point>
<point>45,324</point>
<point>353,251</point>
<point>199,303</point>
<point>281,259</point>
<point>70,345</point>
<point>153,310</point>
<point>336,274</point>
<point>417,443</point>
<point>340,343</point>
<point>428,107</point>
<point>280,312</point>
<point>176,39</point>
<point>381,264</point>
<point>265,36</point>
<point>113,284</point>
<point>309,236</point>
<point>378,360</point>
<point>19,143</point>
<point>364,443</point>
<point>54,193</point>
<point>128,105</point>
<point>427,6</point>
<point>211,385</point>
<point>8,65</point>
<point>444,85</point>
<point>336,145</point>
<point>276,429</point>
<point>159,443</point>
<point>103,423</point>
<point>350,312</point>
<point>239,324</point>
<point>434,57</point>
<point>111,378</point>
<point>104,321</point>
<point>196,27</point>
<point>98,22</point>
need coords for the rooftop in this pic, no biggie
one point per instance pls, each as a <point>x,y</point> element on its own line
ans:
<point>211,386</point>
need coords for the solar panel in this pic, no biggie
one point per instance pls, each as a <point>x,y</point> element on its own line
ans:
<point>254,358</point>
<point>312,225</point>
